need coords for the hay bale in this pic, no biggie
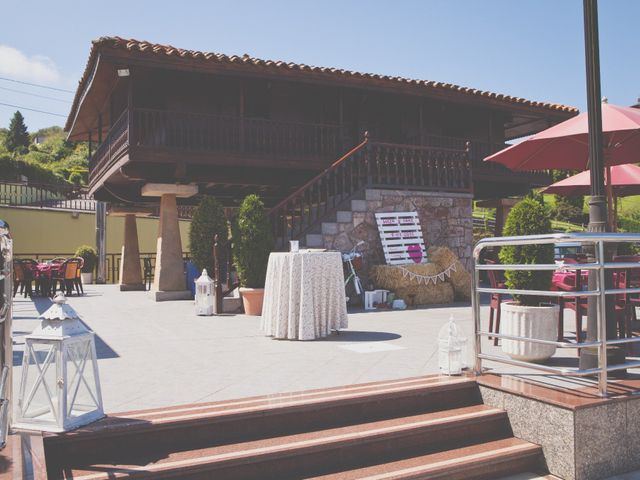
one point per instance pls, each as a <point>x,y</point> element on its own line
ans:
<point>460,279</point>
<point>391,277</point>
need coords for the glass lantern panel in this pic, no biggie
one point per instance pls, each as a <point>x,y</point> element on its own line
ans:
<point>82,394</point>
<point>38,399</point>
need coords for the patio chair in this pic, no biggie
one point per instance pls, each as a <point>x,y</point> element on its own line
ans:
<point>496,280</point>
<point>634,281</point>
<point>78,280</point>
<point>66,277</point>
<point>577,304</point>
<point>58,260</point>
<point>22,278</point>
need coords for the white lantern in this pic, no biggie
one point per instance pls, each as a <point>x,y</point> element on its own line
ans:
<point>452,349</point>
<point>204,294</point>
<point>60,387</point>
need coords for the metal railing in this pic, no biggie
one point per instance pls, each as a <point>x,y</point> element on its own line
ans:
<point>600,265</point>
<point>6,344</point>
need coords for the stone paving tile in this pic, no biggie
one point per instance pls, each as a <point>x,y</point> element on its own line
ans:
<point>155,354</point>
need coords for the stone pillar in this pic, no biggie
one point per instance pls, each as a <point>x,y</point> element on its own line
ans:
<point>169,281</point>
<point>169,278</point>
<point>130,271</point>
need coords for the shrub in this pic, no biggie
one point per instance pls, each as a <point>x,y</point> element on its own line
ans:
<point>90,257</point>
<point>252,242</point>
<point>208,220</point>
<point>567,211</point>
<point>527,217</point>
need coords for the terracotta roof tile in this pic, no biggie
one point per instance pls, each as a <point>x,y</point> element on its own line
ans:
<point>168,50</point>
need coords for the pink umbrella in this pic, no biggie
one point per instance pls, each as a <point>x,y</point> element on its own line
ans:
<point>625,181</point>
<point>566,146</point>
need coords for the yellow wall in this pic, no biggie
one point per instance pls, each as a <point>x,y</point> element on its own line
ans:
<point>54,231</point>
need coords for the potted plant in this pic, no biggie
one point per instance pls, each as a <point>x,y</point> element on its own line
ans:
<point>90,257</point>
<point>528,315</point>
<point>208,221</point>
<point>252,244</point>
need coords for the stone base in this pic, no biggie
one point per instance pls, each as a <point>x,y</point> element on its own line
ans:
<point>167,296</point>
<point>582,437</point>
<point>132,287</point>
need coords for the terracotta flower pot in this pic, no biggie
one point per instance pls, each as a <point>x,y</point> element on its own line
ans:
<point>252,299</point>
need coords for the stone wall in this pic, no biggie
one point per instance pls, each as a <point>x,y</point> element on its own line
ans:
<point>445,219</point>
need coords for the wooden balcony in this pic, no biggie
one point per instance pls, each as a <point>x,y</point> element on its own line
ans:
<point>151,138</point>
<point>198,133</point>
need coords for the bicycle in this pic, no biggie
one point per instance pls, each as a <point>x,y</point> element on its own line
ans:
<point>348,259</point>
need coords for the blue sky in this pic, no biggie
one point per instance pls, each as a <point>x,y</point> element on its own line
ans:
<point>528,48</point>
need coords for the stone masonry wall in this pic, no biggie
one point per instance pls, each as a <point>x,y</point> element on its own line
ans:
<point>445,219</point>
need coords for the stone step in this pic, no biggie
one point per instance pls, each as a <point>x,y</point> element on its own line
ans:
<point>318,452</point>
<point>344,216</point>
<point>314,240</point>
<point>188,427</point>
<point>329,228</point>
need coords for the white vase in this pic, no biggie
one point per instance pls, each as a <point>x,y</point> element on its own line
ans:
<point>87,278</point>
<point>532,322</point>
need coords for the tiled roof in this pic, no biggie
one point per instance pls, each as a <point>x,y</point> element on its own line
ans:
<point>144,47</point>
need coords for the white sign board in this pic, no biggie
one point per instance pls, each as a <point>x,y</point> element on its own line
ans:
<point>401,238</point>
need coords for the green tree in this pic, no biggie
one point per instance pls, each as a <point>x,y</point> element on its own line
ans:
<point>17,139</point>
<point>252,242</point>
<point>527,217</point>
<point>208,220</point>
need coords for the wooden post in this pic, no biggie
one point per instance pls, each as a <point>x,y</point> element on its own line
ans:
<point>217,308</point>
<point>99,129</point>
<point>90,146</point>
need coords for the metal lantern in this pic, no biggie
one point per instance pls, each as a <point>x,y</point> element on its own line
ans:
<point>451,349</point>
<point>60,387</point>
<point>204,294</point>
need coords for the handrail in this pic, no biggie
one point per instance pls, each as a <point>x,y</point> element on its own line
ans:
<point>324,173</point>
<point>600,293</point>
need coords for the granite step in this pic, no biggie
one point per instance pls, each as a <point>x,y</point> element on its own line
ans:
<point>309,453</point>
<point>487,460</point>
<point>218,423</point>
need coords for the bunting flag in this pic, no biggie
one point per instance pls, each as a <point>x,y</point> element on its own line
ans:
<point>427,279</point>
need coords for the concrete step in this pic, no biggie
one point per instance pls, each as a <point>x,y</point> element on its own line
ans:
<point>344,216</point>
<point>232,303</point>
<point>314,240</point>
<point>329,228</point>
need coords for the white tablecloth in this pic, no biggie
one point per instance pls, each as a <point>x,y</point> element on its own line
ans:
<point>304,295</point>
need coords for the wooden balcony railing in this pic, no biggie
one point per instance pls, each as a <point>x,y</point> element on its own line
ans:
<point>369,164</point>
<point>112,147</point>
<point>211,133</point>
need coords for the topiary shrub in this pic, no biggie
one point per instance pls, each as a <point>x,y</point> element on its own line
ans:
<point>90,257</point>
<point>252,242</point>
<point>208,220</point>
<point>527,217</point>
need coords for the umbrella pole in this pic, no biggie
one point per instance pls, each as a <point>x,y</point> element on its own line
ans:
<point>593,357</point>
<point>610,200</point>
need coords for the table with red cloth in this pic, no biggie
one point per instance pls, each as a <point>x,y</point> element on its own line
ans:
<point>566,280</point>
<point>42,274</point>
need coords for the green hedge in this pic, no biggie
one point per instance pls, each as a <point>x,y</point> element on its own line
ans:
<point>208,220</point>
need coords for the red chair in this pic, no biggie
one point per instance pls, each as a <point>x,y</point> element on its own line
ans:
<point>634,282</point>
<point>22,278</point>
<point>577,304</point>
<point>66,277</point>
<point>496,280</point>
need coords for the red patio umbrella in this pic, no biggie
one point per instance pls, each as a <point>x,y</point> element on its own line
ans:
<point>625,181</point>
<point>566,146</point>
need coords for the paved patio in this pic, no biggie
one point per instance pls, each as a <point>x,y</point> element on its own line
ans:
<point>155,354</point>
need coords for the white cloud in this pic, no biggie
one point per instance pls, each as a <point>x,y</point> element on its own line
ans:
<point>38,68</point>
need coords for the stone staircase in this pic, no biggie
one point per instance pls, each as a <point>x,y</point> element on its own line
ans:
<point>333,224</point>
<point>426,427</point>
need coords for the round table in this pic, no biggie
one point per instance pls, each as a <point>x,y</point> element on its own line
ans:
<point>304,295</point>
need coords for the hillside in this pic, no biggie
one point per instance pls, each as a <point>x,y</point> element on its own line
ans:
<point>45,156</point>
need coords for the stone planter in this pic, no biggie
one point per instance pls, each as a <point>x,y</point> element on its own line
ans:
<point>252,299</point>
<point>87,278</point>
<point>532,322</point>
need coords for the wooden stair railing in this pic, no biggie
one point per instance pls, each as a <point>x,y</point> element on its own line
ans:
<point>370,164</point>
<point>297,213</point>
